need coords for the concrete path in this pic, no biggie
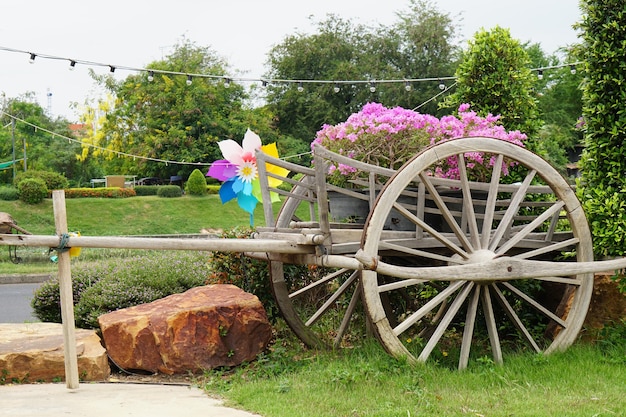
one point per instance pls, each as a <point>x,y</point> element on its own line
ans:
<point>110,399</point>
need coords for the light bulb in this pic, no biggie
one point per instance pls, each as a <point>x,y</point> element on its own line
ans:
<point>300,87</point>
<point>189,80</point>
<point>372,87</point>
<point>539,74</point>
<point>72,65</point>
<point>227,82</point>
<point>150,76</point>
<point>32,58</point>
<point>336,88</point>
<point>111,69</point>
<point>442,85</point>
<point>407,86</point>
<point>572,69</point>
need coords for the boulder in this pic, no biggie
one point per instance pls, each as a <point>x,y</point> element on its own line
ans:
<point>202,328</point>
<point>32,352</point>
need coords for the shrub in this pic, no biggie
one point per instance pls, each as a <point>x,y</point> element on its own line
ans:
<point>249,274</point>
<point>169,191</point>
<point>213,189</point>
<point>196,184</point>
<point>32,190</point>
<point>9,193</point>
<point>143,190</point>
<point>53,180</point>
<point>116,283</point>
<point>101,192</point>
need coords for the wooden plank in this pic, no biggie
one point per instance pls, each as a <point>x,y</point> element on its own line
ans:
<point>65,288</point>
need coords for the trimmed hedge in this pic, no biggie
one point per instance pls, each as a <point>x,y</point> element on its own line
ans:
<point>9,193</point>
<point>32,190</point>
<point>144,190</point>
<point>102,192</point>
<point>115,283</point>
<point>169,191</point>
<point>196,183</point>
<point>53,180</point>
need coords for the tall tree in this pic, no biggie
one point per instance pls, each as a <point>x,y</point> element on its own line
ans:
<point>604,93</point>
<point>494,76</point>
<point>418,45</point>
<point>169,117</point>
<point>41,149</point>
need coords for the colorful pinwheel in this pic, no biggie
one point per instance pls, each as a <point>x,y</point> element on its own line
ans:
<point>239,173</point>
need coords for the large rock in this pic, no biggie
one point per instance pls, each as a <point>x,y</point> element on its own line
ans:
<point>203,328</point>
<point>33,352</point>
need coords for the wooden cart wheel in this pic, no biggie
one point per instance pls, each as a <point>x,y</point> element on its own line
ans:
<point>320,305</point>
<point>461,318</point>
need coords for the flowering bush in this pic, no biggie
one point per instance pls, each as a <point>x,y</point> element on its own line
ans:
<point>389,137</point>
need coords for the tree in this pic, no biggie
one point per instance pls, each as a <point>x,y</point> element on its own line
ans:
<point>494,77</point>
<point>42,149</point>
<point>161,117</point>
<point>603,163</point>
<point>418,45</point>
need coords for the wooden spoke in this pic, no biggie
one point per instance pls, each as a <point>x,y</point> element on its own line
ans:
<point>324,308</point>
<point>428,307</point>
<point>511,211</point>
<point>515,318</point>
<point>555,247</point>
<point>490,206</point>
<point>468,331</point>
<point>434,233</point>
<point>345,321</point>
<point>445,321</point>
<point>314,284</point>
<point>468,203</point>
<point>535,304</point>
<point>416,252</point>
<point>445,212</point>
<point>530,227</point>
<point>400,284</point>
<point>492,327</point>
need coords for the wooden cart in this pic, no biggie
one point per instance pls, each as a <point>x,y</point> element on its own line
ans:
<point>444,268</point>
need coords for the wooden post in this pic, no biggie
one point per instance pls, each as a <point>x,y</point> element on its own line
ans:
<point>65,287</point>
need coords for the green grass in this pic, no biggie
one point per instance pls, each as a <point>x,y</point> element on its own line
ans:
<point>366,381</point>
<point>149,215</point>
<point>133,216</point>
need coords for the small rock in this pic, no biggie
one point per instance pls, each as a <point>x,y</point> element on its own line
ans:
<point>203,328</point>
<point>33,352</point>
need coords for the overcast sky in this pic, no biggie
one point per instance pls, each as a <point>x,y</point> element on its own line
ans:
<point>136,32</point>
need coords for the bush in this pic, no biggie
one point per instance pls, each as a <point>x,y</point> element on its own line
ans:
<point>196,184</point>
<point>169,191</point>
<point>53,180</point>
<point>251,275</point>
<point>9,193</point>
<point>116,283</point>
<point>213,189</point>
<point>101,192</point>
<point>32,190</point>
<point>143,190</point>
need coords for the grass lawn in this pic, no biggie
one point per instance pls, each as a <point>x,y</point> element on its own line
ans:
<point>150,215</point>
<point>365,381</point>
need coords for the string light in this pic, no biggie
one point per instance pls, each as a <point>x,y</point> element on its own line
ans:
<point>300,87</point>
<point>150,76</point>
<point>407,86</point>
<point>189,79</point>
<point>227,80</point>
<point>72,64</point>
